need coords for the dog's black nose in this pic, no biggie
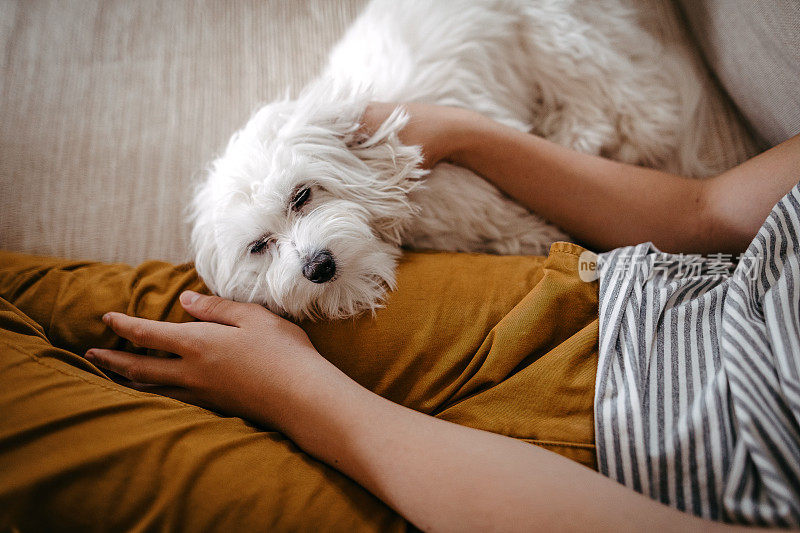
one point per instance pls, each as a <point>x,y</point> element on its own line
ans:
<point>320,267</point>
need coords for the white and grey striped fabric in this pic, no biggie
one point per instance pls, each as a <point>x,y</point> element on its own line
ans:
<point>697,402</point>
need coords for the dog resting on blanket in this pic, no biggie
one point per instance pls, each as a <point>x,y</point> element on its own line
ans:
<point>306,216</point>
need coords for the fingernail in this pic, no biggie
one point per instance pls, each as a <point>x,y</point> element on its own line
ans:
<point>89,354</point>
<point>106,317</point>
<point>189,297</point>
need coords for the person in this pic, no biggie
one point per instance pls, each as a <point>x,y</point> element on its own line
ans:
<point>241,360</point>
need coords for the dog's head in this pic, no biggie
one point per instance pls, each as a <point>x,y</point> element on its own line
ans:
<point>303,212</point>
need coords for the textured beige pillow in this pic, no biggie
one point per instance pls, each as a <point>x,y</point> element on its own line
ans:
<point>754,50</point>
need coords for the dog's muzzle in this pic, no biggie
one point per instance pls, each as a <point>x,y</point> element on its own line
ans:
<point>320,267</point>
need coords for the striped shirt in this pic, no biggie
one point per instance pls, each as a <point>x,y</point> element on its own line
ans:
<point>697,400</point>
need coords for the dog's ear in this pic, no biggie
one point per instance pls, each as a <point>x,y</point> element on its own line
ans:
<point>332,107</point>
<point>384,170</point>
<point>394,171</point>
<point>200,214</point>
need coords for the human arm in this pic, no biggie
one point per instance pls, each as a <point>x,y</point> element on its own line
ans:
<point>603,203</point>
<point>438,475</point>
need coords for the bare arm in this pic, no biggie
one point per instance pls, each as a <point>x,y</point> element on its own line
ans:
<point>446,477</point>
<point>439,475</point>
<point>603,203</point>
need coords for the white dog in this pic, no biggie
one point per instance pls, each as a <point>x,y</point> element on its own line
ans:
<point>303,216</point>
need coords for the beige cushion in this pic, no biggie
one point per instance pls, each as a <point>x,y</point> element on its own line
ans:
<point>109,109</point>
<point>754,50</point>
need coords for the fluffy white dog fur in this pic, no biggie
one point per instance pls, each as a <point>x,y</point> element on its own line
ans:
<point>304,216</point>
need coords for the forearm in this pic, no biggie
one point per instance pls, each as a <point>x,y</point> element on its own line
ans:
<point>442,476</point>
<point>606,204</point>
<point>602,203</point>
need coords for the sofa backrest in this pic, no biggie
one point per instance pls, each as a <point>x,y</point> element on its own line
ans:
<point>753,48</point>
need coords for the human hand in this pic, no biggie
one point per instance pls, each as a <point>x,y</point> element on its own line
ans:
<point>240,359</point>
<point>439,130</point>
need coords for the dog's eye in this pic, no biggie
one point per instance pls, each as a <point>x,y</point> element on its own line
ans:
<point>260,246</point>
<point>301,198</point>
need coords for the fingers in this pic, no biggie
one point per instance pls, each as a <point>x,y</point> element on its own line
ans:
<point>138,368</point>
<point>375,115</point>
<point>168,336</point>
<point>220,310</point>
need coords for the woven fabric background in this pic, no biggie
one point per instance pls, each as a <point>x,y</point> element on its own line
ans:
<point>109,109</point>
<point>754,50</point>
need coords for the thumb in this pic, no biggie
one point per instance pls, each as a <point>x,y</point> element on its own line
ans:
<point>216,309</point>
